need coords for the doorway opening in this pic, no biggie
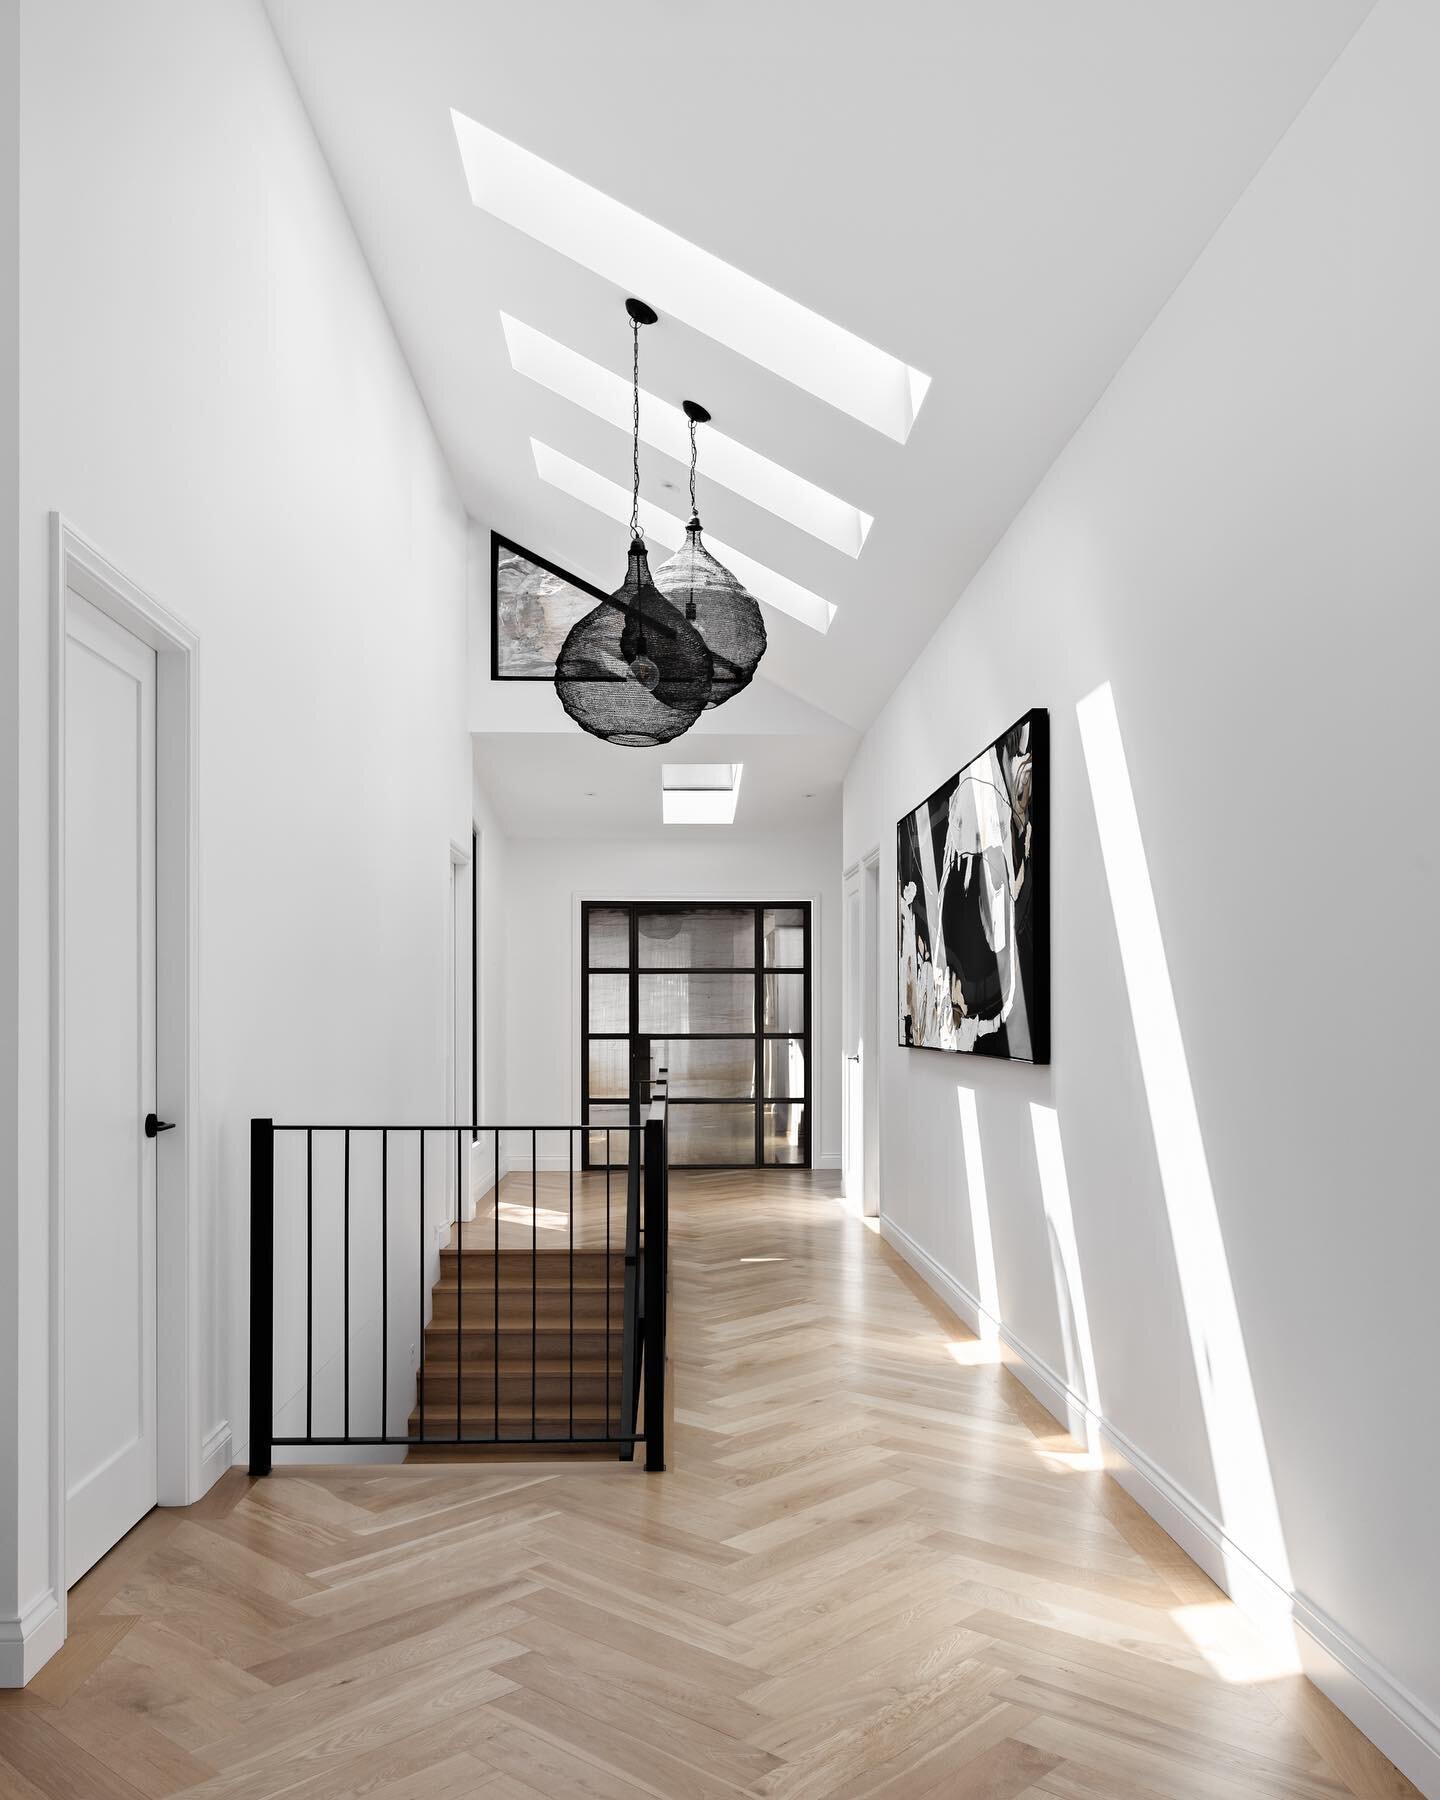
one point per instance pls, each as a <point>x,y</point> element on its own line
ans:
<point>460,1012</point>
<point>861,1063</point>
<point>126,1430</point>
<point>717,993</point>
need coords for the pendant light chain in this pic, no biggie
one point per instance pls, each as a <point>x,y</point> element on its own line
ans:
<point>711,599</point>
<point>635,432</point>
<point>641,648</point>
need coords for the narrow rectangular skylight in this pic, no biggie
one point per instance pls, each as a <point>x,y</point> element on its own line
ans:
<point>621,245</point>
<point>699,793</point>
<point>734,465</point>
<point>698,775</point>
<point>606,496</point>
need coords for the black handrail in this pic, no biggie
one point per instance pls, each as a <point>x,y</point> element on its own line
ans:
<point>655,1280</point>
<point>642,1338</point>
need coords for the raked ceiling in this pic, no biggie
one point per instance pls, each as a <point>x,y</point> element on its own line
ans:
<point>1002,196</point>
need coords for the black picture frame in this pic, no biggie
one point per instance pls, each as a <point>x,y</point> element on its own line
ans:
<point>500,545</point>
<point>1032,933</point>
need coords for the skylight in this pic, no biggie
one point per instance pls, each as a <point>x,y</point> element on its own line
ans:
<point>734,465</point>
<point>582,483</point>
<point>699,793</point>
<point>621,245</point>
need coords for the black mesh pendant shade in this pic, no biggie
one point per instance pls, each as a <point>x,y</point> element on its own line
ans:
<point>724,612</point>
<point>634,671</point>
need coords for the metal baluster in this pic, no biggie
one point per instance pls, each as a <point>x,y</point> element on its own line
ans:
<point>656,1203</point>
<point>347,1281</point>
<point>607,1282</point>
<point>534,1264</point>
<point>570,1155</point>
<point>262,1294</point>
<point>385,1275</point>
<point>459,1289</point>
<point>309,1291</point>
<point>422,1288</point>
<point>495,1192</point>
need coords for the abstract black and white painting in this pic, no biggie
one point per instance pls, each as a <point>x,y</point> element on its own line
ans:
<point>972,866</point>
<point>533,604</point>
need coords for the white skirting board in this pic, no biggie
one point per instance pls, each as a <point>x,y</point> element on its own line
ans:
<point>28,1643</point>
<point>1394,1719</point>
<point>215,1457</point>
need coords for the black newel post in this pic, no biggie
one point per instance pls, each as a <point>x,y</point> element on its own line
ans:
<point>262,1293</point>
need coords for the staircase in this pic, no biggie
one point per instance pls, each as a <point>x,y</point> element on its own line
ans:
<point>543,1331</point>
<point>536,1377</point>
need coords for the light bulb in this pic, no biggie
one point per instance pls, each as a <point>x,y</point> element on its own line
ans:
<point>644,671</point>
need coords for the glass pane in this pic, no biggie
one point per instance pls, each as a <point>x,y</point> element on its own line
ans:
<point>689,937</point>
<point>785,1134</point>
<point>609,1002</point>
<point>784,937</point>
<point>711,1134</point>
<point>784,1003</point>
<point>784,1068</point>
<point>609,938</point>
<point>704,1068</point>
<point>670,1003</point>
<point>619,1141</point>
<point>610,1069</point>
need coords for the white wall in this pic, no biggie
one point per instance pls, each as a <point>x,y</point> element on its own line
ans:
<point>11,1357</point>
<point>545,881</point>
<point>490,957</point>
<point>214,396</point>
<point>1243,541</point>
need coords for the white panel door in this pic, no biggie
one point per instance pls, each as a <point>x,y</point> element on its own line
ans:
<point>109,1083</point>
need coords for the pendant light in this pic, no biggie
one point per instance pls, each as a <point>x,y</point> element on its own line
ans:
<point>720,608</point>
<point>634,671</point>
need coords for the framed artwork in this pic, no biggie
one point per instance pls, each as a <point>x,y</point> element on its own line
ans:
<point>973,881</point>
<point>533,604</point>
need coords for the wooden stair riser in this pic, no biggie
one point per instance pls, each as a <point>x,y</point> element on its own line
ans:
<point>478,1348</point>
<point>551,1420</point>
<point>550,1266</point>
<point>438,1387</point>
<point>553,1308</point>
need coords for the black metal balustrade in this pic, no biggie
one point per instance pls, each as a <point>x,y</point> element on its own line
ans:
<point>623,1256</point>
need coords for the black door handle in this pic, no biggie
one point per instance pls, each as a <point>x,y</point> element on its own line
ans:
<point>154,1126</point>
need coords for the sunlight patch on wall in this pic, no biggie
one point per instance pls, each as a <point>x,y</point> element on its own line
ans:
<point>1065,1265</point>
<point>1249,1513</point>
<point>989,1295</point>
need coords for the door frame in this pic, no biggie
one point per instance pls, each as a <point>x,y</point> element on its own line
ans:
<point>864,877</point>
<point>871,964</point>
<point>189,1457</point>
<point>460,1003</point>
<point>638,894</point>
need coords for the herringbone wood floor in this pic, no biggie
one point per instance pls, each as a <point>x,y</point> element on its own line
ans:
<point>872,1569</point>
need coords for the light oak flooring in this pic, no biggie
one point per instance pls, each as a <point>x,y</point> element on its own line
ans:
<point>580,1211</point>
<point>873,1568</point>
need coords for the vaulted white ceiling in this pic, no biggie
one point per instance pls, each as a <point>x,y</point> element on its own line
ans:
<point>1001,196</point>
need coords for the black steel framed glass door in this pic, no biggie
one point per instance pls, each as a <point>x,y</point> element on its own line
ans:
<point>718,994</point>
